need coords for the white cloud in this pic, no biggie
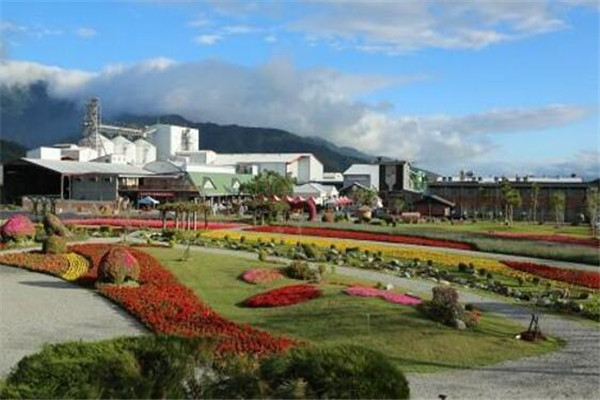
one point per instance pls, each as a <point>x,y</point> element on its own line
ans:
<point>86,32</point>
<point>313,102</point>
<point>270,38</point>
<point>397,27</point>
<point>207,40</point>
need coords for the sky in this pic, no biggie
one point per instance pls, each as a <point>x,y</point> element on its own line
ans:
<point>498,87</point>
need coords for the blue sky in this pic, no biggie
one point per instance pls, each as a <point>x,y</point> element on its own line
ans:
<point>491,84</point>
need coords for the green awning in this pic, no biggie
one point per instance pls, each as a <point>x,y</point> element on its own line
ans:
<point>218,184</point>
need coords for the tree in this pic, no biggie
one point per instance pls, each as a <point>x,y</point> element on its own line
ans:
<point>558,202</point>
<point>511,199</point>
<point>269,184</point>
<point>534,196</point>
<point>398,205</point>
<point>364,197</point>
<point>592,206</point>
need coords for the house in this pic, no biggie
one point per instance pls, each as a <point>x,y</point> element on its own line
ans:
<point>433,206</point>
<point>320,193</point>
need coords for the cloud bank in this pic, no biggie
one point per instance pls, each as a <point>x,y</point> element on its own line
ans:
<point>312,102</point>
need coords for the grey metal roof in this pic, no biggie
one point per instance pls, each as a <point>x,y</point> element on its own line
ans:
<point>81,168</point>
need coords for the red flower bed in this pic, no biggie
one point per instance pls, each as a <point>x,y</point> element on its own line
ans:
<point>592,242</point>
<point>587,279</point>
<point>261,275</point>
<point>163,304</point>
<point>283,296</point>
<point>349,234</point>
<point>145,223</point>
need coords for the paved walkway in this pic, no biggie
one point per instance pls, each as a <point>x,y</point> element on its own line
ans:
<point>570,373</point>
<point>472,253</point>
<point>36,309</point>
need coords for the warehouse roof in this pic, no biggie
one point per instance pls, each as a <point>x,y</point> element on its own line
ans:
<point>81,168</point>
<point>362,169</point>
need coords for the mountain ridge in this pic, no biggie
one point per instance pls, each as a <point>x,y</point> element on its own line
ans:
<point>60,121</point>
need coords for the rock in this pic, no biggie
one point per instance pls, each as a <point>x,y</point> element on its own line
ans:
<point>543,302</point>
<point>407,275</point>
<point>575,306</point>
<point>460,324</point>
<point>389,286</point>
<point>443,282</point>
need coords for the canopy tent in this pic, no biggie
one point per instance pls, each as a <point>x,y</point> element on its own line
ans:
<point>148,201</point>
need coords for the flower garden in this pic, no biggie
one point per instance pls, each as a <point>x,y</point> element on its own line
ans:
<point>347,234</point>
<point>563,290</point>
<point>143,223</point>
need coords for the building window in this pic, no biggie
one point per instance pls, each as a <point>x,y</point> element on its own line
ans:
<point>109,179</point>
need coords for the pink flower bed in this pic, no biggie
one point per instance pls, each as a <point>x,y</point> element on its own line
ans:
<point>391,297</point>
<point>17,227</point>
<point>145,223</point>
<point>261,275</point>
<point>283,296</point>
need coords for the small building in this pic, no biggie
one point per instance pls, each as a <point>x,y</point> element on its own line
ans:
<point>332,178</point>
<point>218,187</point>
<point>320,193</point>
<point>44,152</point>
<point>433,206</point>
<point>171,139</point>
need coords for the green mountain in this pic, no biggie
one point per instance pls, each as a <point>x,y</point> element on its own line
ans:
<point>10,151</point>
<point>30,117</point>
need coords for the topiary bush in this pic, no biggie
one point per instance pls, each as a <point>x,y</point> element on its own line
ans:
<point>54,226</point>
<point>136,368</point>
<point>340,372</point>
<point>302,271</point>
<point>445,308</point>
<point>117,266</point>
<point>54,245</point>
<point>17,228</point>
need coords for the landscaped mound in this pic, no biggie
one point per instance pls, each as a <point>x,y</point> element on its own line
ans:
<point>166,306</point>
<point>348,234</point>
<point>283,296</point>
<point>395,298</point>
<point>589,279</point>
<point>340,372</point>
<point>118,266</point>
<point>16,228</point>
<point>54,264</point>
<point>54,226</point>
<point>261,275</point>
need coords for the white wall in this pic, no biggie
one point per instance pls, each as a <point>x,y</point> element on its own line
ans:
<point>145,152</point>
<point>44,153</point>
<point>79,153</point>
<point>168,140</point>
<point>126,148</point>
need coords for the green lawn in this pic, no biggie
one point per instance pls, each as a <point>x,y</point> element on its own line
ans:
<point>475,233</point>
<point>413,342</point>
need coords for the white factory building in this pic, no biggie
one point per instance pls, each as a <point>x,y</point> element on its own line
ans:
<point>179,146</point>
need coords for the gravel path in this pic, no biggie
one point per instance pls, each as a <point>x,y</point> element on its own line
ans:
<point>36,309</point>
<point>472,253</point>
<point>570,373</point>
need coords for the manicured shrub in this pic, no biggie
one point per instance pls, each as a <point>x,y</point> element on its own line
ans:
<point>340,372</point>
<point>54,245</point>
<point>309,251</point>
<point>117,266</point>
<point>144,367</point>
<point>54,226</point>
<point>18,227</point>
<point>301,270</point>
<point>261,275</point>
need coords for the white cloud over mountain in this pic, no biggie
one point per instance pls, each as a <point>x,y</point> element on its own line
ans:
<point>313,102</point>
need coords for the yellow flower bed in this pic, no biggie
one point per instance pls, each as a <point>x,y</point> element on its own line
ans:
<point>78,266</point>
<point>395,251</point>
